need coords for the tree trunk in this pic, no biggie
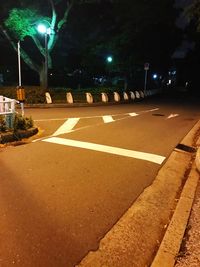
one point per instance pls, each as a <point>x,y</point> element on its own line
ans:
<point>42,74</point>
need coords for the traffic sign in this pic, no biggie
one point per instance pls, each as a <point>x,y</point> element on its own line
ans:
<point>146,66</point>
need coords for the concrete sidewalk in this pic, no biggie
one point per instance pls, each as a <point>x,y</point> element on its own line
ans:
<point>151,231</point>
<point>173,240</point>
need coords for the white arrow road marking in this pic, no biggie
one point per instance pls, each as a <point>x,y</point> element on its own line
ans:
<point>107,119</point>
<point>172,116</point>
<point>67,126</point>
<point>133,114</point>
<point>107,149</point>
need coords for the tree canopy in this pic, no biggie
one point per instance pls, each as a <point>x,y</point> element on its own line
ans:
<point>85,32</point>
<point>193,13</point>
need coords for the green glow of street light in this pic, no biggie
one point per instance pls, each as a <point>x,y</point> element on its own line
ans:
<point>42,28</point>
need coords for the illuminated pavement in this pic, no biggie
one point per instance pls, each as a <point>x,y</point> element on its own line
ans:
<point>63,192</point>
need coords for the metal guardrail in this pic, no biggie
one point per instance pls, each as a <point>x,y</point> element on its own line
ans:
<point>7,105</point>
<point>7,109</point>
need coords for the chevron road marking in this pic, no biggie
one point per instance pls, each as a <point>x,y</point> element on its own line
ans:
<point>133,114</point>
<point>107,149</point>
<point>70,123</point>
<point>107,119</point>
<point>67,126</point>
<point>172,116</point>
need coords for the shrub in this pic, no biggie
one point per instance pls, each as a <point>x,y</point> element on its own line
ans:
<point>3,127</point>
<point>22,123</point>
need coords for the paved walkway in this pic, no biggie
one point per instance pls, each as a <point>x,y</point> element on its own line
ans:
<point>189,254</point>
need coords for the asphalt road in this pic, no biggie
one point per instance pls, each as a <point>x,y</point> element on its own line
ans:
<point>62,192</point>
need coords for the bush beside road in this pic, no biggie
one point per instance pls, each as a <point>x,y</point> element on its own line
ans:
<point>22,128</point>
<point>36,95</point>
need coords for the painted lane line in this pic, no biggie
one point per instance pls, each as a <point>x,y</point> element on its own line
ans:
<point>56,119</point>
<point>107,149</point>
<point>67,126</point>
<point>154,109</point>
<point>97,116</point>
<point>107,119</point>
<point>172,116</point>
<point>133,114</point>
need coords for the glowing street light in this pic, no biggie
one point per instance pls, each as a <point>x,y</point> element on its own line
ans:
<point>155,76</point>
<point>109,59</point>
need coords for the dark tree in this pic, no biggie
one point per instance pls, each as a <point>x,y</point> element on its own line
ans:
<point>134,32</point>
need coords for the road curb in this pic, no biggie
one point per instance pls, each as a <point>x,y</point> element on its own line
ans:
<point>171,243</point>
<point>197,160</point>
<point>170,246</point>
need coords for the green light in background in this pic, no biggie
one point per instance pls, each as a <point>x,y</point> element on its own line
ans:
<point>109,59</point>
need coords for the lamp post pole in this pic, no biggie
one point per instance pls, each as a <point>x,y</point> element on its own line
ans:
<point>146,68</point>
<point>20,89</point>
<point>19,63</point>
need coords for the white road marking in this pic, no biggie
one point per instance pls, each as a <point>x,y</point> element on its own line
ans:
<point>172,116</point>
<point>67,126</point>
<point>97,116</point>
<point>154,109</point>
<point>133,114</point>
<point>107,149</point>
<point>56,119</point>
<point>107,119</point>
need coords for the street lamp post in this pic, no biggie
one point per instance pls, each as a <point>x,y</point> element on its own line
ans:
<point>146,68</point>
<point>19,63</point>
<point>20,89</point>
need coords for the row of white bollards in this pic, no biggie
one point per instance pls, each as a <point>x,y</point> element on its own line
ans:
<point>126,96</point>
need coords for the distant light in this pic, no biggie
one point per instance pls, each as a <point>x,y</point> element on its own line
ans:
<point>169,82</point>
<point>51,74</point>
<point>109,59</point>
<point>155,76</point>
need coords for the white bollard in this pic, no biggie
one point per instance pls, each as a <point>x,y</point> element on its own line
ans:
<point>104,97</point>
<point>132,95</point>
<point>125,95</point>
<point>69,97</point>
<point>116,97</point>
<point>89,98</point>
<point>137,94</point>
<point>48,98</point>
<point>141,93</point>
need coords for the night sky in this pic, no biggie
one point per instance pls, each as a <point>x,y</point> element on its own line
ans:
<point>8,58</point>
